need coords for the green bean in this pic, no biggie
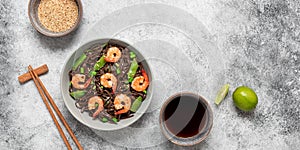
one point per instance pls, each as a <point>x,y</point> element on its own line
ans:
<point>132,70</point>
<point>136,104</point>
<point>79,61</point>
<point>78,94</point>
<point>100,63</point>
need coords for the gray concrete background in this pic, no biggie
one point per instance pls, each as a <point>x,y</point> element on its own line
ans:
<point>258,45</point>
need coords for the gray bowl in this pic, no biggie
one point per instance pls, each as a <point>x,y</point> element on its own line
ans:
<point>33,16</point>
<point>84,117</point>
<point>189,141</point>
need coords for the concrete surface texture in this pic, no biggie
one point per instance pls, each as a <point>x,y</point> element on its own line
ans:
<point>194,46</point>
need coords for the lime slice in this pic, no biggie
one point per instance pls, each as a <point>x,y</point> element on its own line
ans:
<point>222,94</point>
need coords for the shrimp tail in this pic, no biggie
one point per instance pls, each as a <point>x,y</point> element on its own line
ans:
<point>88,82</point>
<point>97,112</point>
<point>145,76</point>
<point>121,112</point>
<point>108,59</point>
<point>114,88</point>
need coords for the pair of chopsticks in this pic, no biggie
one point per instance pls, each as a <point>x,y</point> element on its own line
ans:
<point>44,93</point>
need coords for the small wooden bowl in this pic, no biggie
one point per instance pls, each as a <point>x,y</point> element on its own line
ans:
<point>33,16</point>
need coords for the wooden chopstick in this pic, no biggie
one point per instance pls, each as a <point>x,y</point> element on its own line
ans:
<point>49,108</point>
<point>59,114</point>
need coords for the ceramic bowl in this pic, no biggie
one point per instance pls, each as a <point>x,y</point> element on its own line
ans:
<point>187,141</point>
<point>84,117</point>
<point>33,16</point>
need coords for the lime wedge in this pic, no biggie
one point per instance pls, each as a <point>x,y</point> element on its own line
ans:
<point>222,94</point>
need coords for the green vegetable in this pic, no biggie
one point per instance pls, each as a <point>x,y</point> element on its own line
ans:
<point>132,55</point>
<point>94,87</point>
<point>99,64</point>
<point>130,79</point>
<point>115,120</point>
<point>118,71</point>
<point>78,94</point>
<point>89,50</point>
<point>81,70</point>
<point>145,91</point>
<point>93,73</point>
<point>103,45</point>
<point>132,70</point>
<point>96,105</point>
<point>104,119</point>
<point>92,82</point>
<point>79,61</point>
<point>136,104</point>
<point>101,87</point>
<point>70,83</point>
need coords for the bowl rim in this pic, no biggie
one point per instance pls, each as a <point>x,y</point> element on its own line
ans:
<point>50,33</point>
<point>138,116</point>
<point>164,129</point>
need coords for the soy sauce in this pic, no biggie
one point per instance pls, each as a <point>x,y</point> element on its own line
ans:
<point>185,116</point>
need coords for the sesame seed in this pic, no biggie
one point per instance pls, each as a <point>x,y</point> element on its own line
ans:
<point>58,15</point>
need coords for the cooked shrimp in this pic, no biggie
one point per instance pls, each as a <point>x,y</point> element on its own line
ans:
<point>122,103</point>
<point>113,54</point>
<point>78,81</point>
<point>108,80</point>
<point>140,83</point>
<point>92,105</point>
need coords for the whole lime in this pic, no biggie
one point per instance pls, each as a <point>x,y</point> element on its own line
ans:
<point>244,98</point>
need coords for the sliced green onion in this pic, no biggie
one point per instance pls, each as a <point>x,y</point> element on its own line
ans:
<point>78,94</point>
<point>96,105</point>
<point>104,119</point>
<point>94,87</point>
<point>79,61</point>
<point>136,104</point>
<point>132,55</point>
<point>92,82</point>
<point>101,87</point>
<point>93,73</point>
<point>115,120</point>
<point>145,91</point>
<point>70,83</point>
<point>82,70</point>
<point>118,71</point>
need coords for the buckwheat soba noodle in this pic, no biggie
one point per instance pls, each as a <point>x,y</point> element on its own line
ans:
<point>108,82</point>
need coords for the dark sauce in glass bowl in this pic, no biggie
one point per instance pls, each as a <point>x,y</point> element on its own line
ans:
<point>185,116</point>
